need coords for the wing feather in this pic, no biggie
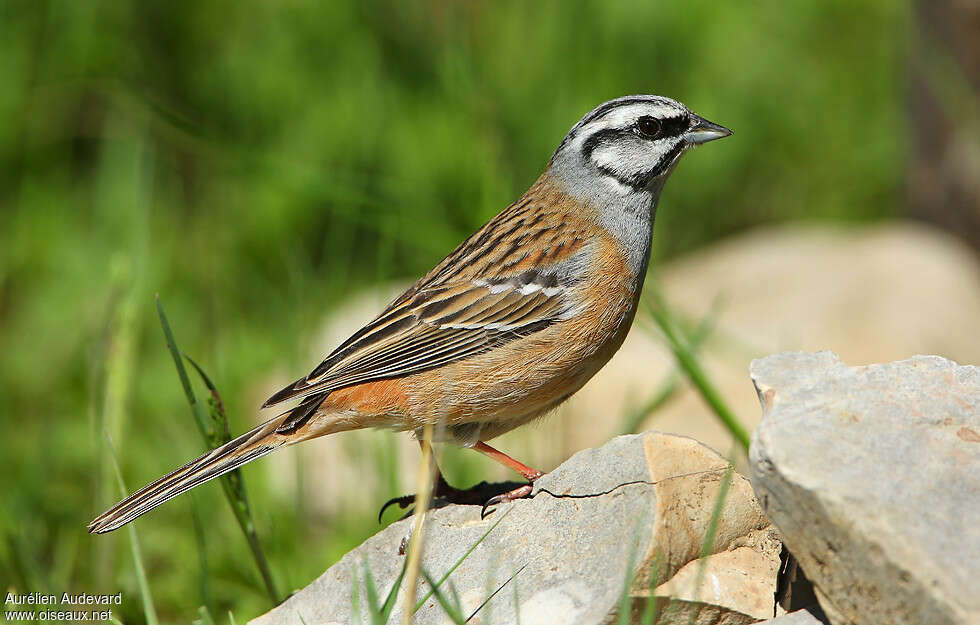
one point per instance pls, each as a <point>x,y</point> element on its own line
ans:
<point>439,321</point>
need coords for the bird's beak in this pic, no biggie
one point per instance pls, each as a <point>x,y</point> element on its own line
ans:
<point>703,131</point>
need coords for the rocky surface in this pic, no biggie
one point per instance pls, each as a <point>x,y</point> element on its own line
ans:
<point>872,475</point>
<point>799,617</point>
<point>563,556</point>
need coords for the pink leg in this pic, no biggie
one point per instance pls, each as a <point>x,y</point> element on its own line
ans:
<point>518,493</point>
<point>442,489</point>
<point>528,473</point>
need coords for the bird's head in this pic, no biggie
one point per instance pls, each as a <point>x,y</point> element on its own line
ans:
<point>632,142</point>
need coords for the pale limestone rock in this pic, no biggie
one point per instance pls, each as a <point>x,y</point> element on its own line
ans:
<point>644,499</point>
<point>872,475</point>
<point>799,617</point>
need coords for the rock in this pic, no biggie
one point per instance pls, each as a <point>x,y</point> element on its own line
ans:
<point>799,617</point>
<point>564,555</point>
<point>872,475</point>
<point>799,287</point>
<point>741,577</point>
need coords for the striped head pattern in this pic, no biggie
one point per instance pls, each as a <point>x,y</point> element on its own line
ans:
<point>633,142</point>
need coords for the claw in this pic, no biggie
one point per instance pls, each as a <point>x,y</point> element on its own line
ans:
<point>443,493</point>
<point>517,493</point>
<point>402,502</point>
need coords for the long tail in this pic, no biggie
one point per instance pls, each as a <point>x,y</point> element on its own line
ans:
<point>253,444</point>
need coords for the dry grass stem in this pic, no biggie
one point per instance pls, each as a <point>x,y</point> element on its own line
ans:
<point>423,496</point>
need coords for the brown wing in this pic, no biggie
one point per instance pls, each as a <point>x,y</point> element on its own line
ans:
<point>512,278</point>
<point>431,329</point>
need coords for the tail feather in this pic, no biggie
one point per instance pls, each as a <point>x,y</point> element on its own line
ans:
<point>233,454</point>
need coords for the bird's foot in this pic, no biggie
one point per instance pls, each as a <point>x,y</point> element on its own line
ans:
<point>483,494</point>
<point>518,493</point>
<point>402,502</point>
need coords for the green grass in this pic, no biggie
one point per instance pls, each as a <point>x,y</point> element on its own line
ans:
<point>215,432</point>
<point>684,353</point>
<point>146,595</point>
<point>259,164</point>
<point>380,612</point>
<point>636,416</point>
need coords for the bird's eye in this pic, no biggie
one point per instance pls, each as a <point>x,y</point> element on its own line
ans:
<point>648,126</point>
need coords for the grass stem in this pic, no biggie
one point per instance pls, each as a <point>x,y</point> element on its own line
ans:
<point>672,383</point>
<point>689,363</point>
<point>149,611</point>
<point>423,492</point>
<point>216,432</point>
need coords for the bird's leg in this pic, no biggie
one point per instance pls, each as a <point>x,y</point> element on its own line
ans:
<point>529,474</point>
<point>406,500</point>
<point>477,495</point>
<point>518,493</point>
<point>441,489</point>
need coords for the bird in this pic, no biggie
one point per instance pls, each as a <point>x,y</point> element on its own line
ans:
<point>508,326</point>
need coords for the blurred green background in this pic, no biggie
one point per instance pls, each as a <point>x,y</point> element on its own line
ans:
<point>256,163</point>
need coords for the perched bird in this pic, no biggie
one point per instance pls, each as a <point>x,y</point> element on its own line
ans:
<point>509,325</point>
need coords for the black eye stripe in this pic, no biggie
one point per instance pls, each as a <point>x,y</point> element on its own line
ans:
<point>638,180</point>
<point>599,137</point>
<point>669,127</point>
<point>674,126</point>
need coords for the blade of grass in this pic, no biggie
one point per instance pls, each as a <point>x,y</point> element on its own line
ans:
<point>455,596</point>
<point>202,555</point>
<point>374,605</point>
<point>625,609</point>
<point>462,558</point>
<point>386,453</point>
<point>691,366</point>
<point>494,593</point>
<point>389,603</point>
<point>101,478</point>
<point>423,492</point>
<point>185,381</point>
<point>625,600</point>
<point>711,533</point>
<point>148,610</point>
<point>355,602</point>
<point>650,611</point>
<point>672,383</point>
<point>111,398</point>
<point>220,431</point>
<point>205,616</point>
<point>708,546</point>
<point>454,612</point>
<point>635,416</point>
<point>217,432</point>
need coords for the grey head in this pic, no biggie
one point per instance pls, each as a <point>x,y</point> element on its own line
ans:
<point>629,145</point>
<point>618,157</point>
